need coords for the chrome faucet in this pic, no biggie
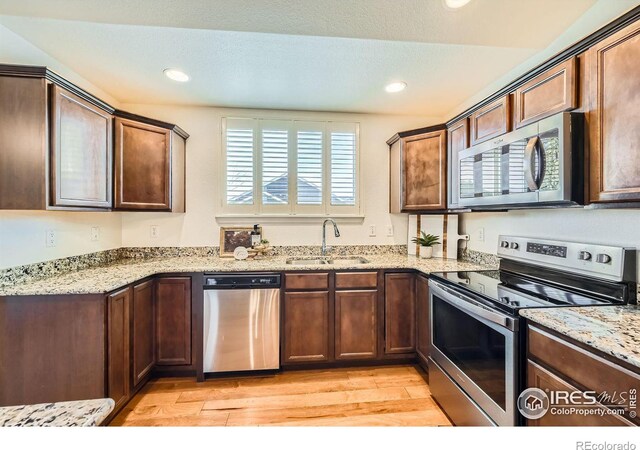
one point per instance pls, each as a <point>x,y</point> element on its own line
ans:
<point>324,235</point>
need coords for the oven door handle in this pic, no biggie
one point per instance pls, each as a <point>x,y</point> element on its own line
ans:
<point>471,307</point>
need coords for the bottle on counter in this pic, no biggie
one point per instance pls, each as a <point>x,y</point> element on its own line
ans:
<point>256,235</point>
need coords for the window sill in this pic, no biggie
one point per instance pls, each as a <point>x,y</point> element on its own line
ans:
<point>287,219</point>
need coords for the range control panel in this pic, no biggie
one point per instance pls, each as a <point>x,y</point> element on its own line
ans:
<point>600,261</point>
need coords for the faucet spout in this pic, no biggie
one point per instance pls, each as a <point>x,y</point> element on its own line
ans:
<point>336,232</point>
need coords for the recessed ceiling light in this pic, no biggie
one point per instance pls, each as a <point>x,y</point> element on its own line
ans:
<point>396,86</point>
<point>455,4</point>
<point>176,75</point>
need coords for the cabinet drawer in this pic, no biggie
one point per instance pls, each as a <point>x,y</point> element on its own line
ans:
<point>550,92</point>
<point>306,280</point>
<point>491,120</point>
<point>348,280</point>
<point>541,378</point>
<point>580,367</point>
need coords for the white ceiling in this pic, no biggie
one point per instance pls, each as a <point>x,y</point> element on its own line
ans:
<point>331,55</point>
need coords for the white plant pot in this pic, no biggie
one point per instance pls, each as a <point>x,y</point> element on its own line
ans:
<point>426,252</point>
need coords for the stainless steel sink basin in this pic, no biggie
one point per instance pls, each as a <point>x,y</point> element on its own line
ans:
<point>336,261</point>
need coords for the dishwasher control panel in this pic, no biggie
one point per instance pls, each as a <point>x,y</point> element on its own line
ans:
<point>246,281</point>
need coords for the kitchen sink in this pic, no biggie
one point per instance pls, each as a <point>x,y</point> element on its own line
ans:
<point>335,261</point>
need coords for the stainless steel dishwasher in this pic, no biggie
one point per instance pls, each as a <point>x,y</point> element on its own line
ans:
<point>241,322</point>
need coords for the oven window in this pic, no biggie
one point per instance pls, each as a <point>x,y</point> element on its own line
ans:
<point>476,349</point>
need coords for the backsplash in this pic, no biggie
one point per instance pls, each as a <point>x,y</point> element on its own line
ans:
<point>473,256</point>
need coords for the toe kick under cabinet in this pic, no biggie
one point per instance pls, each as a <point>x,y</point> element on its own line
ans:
<point>341,317</point>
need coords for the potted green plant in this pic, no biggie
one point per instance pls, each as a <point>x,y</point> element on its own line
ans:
<point>426,243</point>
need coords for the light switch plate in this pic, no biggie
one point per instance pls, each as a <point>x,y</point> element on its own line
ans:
<point>95,233</point>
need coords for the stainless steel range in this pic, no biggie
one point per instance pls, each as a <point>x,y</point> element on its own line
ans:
<point>476,344</point>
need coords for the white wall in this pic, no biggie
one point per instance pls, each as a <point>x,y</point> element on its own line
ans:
<point>199,226</point>
<point>22,234</point>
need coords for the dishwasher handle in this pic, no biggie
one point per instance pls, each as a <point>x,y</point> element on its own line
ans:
<point>243,281</point>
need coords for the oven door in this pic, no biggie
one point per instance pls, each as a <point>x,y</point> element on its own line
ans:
<point>476,347</point>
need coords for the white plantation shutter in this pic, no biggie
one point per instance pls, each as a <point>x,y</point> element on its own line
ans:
<point>309,152</point>
<point>239,162</point>
<point>290,167</point>
<point>275,166</point>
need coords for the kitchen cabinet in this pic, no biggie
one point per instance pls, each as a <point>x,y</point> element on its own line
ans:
<point>149,167</point>
<point>356,335</point>
<point>418,165</point>
<point>457,140</point>
<point>143,331</point>
<point>81,152</point>
<point>307,327</point>
<point>613,117</point>
<point>556,362</point>
<point>551,92</point>
<point>423,328</point>
<point>400,313</point>
<point>491,120</point>
<point>173,321</point>
<point>119,368</point>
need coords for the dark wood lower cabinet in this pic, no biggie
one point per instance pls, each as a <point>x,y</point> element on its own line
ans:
<point>423,337</point>
<point>143,331</point>
<point>356,335</point>
<point>400,313</point>
<point>119,368</point>
<point>173,321</point>
<point>306,327</point>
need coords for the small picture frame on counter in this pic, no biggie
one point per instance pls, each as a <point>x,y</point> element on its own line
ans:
<point>234,237</point>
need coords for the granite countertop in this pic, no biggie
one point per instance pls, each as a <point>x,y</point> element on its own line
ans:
<point>99,280</point>
<point>614,330</point>
<point>81,413</point>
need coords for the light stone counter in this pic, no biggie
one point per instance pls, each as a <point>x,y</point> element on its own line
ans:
<point>614,330</point>
<point>81,413</point>
<point>99,280</point>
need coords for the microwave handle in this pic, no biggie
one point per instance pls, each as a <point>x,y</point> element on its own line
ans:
<point>534,148</point>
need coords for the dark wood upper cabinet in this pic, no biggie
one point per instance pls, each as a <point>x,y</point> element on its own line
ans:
<point>423,336</point>
<point>119,367</point>
<point>81,152</point>
<point>614,133</point>
<point>23,143</point>
<point>418,171</point>
<point>143,331</point>
<point>307,327</point>
<point>142,166</point>
<point>173,321</point>
<point>491,120</point>
<point>549,93</point>
<point>457,140</point>
<point>400,313</point>
<point>356,335</point>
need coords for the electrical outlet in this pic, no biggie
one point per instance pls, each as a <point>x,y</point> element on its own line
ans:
<point>154,231</point>
<point>50,238</point>
<point>390,230</point>
<point>481,235</point>
<point>95,233</point>
<point>372,230</point>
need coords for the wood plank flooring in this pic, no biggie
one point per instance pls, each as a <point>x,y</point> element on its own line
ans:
<point>377,396</point>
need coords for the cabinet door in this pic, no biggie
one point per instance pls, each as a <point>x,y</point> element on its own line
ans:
<point>423,340</point>
<point>81,152</point>
<point>173,321</point>
<point>142,165</point>
<point>457,140</point>
<point>306,327</point>
<point>400,313</point>
<point>356,326</point>
<point>118,344</point>
<point>491,120</point>
<point>424,182</point>
<point>143,332</point>
<point>538,377</point>
<point>549,93</point>
<point>613,120</point>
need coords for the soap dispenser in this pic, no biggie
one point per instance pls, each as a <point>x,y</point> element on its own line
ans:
<point>256,236</point>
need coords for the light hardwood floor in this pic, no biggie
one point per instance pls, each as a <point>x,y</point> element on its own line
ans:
<point>377,396</point>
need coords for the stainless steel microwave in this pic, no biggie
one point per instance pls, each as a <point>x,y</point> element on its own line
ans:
<point>541,164</point>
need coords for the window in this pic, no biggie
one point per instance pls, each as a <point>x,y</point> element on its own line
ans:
<point>290,167</point>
